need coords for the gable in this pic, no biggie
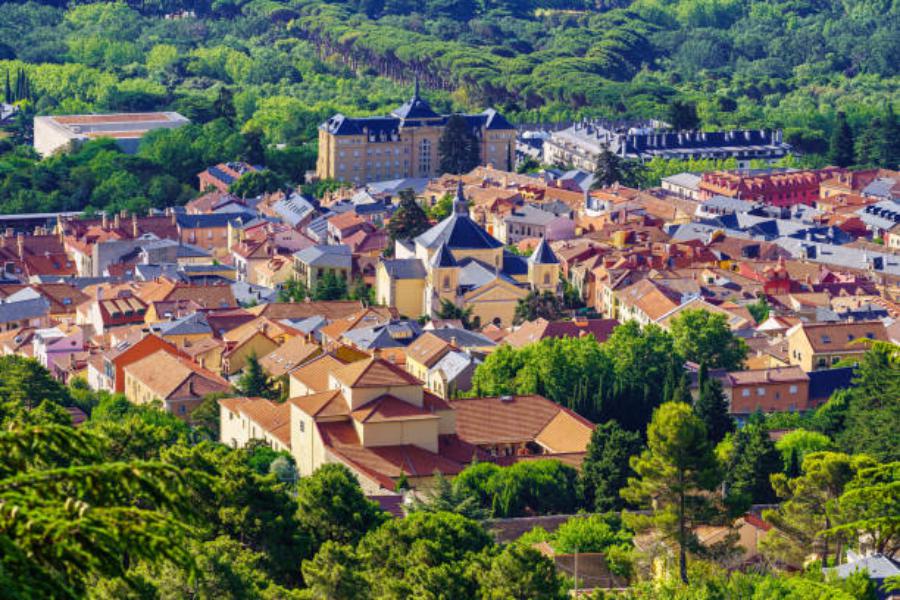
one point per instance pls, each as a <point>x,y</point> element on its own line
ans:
<point>496,291</point>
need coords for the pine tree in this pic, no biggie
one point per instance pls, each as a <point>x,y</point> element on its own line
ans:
<point>868,144</point>
<point>458,148</point>
<point>888,153</point>
<point>712,408</point>
<point>753,459</point>
<point>409,220</point>
<point>840,148</point>
<point>254,382</point>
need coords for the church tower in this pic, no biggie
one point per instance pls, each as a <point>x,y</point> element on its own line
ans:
<point>543,268</point>
<point>444,273</point>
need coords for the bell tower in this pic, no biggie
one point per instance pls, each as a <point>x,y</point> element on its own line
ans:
<point>543,268</point>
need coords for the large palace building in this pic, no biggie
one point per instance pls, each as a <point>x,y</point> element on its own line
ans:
<point>404,143</point>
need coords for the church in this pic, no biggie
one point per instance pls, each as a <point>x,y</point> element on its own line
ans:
<point>404,143</point>
<point>458,261</point>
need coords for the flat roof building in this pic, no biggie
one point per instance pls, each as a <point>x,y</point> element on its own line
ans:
<point>52,133</point>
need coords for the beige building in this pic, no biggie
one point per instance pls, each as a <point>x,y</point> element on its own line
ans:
<point>245,419</point>
<point>66,132</point>
<point>458,261</point>
<point>815,346</point>
<point>404,143</point>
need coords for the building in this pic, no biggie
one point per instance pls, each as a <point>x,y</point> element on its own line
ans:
<point>814,346</point>
<point>541,329</point>
<point>404,143</point>
<point>245,419</point>
<point>465,265</point>
<point>778,187</point>
<point>65,132</point>
<point>767,390</point>
<point>531,222</point>
<point>221,176</point>
<point>176,382</point>
<point>683,185</point>
<point>578,146</point>
<point>314,262</point>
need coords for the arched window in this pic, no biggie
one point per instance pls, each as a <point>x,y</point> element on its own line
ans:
<point>546,278</point>
<point>446,283</point>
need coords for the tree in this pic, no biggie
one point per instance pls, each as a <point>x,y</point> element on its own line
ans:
<point>458,147</point>
<point>330,287</point>
<point>800,442</point>
<point>538,305</point>
<point>24,383</point>
<point>675,474</point>
<point>362,291</point>
<point>759,309</point>
<point>409,220</point>
<point>254,381</point>
<point>450,311</point>
<point>712,407</point>
<point>805,514</point>
<point>840,147</point>
<point>612,169</point>
<point>705,338</point>
<point>868,508</point>
<point>682,115</point>
<point>521,572</point>
<point>445,497</point>
<point>873,409</point>
<point>257,183</point>
<point>605,469</point>
<point>206,416</point>
<point>7,90</point>
<point>749,465</point>
<point>293,290</point>
<point>590,533</point>
<point>331,506</point>
<point>333,573</point>
<point>67,517</point>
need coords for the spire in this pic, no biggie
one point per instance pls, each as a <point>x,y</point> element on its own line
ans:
<point>443,258</point>
<point>460,204</point>
<point>543,255</point>
<point>416,89</point>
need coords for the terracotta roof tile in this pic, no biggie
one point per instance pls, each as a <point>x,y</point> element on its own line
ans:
<point>314,374</point>
<point>427,349</point>
<point>323,404</point>
<point>289,355</point>
<point>272,417</point>
<point>374,372</point>
<point>389,408</point>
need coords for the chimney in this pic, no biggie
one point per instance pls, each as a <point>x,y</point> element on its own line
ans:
<point>20,245</point>
<point>134,225</point>
<point>104,220</point>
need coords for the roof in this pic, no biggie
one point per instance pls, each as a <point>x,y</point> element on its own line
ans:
<point>442,257</point>
<point>292,353</point>
<point>458,231</point>
<point>530,215</point>
<point>543,255</point>
<point>314,374</point>
<point>878,566</point>
<point>824,382</point>
<point>194,324</point>
<point>329,403</point>
<point>20,306</point>
<point>760,376</point>
<point>375,372</point>
<point>164,373</point>
<point>427,349</point>
<point>331,309</point>
<point>516,419</point>
<point>840,337</point>
<point>539,329</point>
<point>405,268</point>
<point>390,408</point>
<point>321,255</point>
<point>272,417</point>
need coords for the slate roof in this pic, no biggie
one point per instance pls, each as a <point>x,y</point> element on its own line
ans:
<point>543,255</point>
<point>877,565</point>
<point>443,257</point>
<point>825,382</point>
<point>294,209</point>
<point>24,304</point>
<point>513,264</point>
<point>405,268</point>
<point>415,108</point>
<point>464,338</point>
<point>210,220</point>
<point>475,274</point>
<point>193,324</point>
<point>321,255</point>
<point>458,231</point>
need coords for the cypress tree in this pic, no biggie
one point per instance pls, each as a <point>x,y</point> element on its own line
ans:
<point>840,148</point>
<point>458,148</point>
<point>712,408</point>
<point>888,152</point>
<point>254,381</point>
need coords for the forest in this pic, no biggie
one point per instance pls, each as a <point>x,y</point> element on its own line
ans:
<point>256,78</point>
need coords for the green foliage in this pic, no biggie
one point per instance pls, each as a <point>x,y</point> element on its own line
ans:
<point>749,465</point>
<point>409,220</point>
<point>538,305</point>
<point>873,405</point>
<point>712,407</point>
<point>24,384</point>
<point>293,290</point>
<point>759,309</point>
<point>67,517</point>
<point>612,169</point>
<point>705,338</point>
<point>444,496</point>
<point>605,469</point>
<point>840,148</point>
<point>800,442</point>
<point>458,149</point>
<point>330,287</point>
<point>594,533</point>
<point>450,310</point>
<point>331,506</point>
<point>254,381</point>
<point>673,476</point>
<point>257,183</point>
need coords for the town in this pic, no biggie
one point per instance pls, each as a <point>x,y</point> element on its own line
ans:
<point>435,353</point>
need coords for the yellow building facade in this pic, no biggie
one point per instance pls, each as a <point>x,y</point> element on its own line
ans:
<point>404,143</point>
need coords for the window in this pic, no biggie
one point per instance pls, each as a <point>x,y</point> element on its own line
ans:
<point>546,278</point>
<point>760,391</point>
<point>302,426</point>
<point>425,157</point>
<point>745,393</point>
<point>793,389</point>
<point>446,283</point>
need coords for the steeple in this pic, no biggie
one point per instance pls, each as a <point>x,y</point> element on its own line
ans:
<point>460,204</point>
<point>543,255</point>
<point>416,90</point>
